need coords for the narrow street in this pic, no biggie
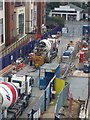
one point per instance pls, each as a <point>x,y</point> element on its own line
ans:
<point>62,46</point>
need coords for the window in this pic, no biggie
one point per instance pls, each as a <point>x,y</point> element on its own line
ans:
<point>21,23</point>
<point>1,26</point>
<point>1,30</point>
<point>64,11</point>
<point>1,5</point>
<point>19,82</point>
<point>2,38</point>
<point>31,17</point>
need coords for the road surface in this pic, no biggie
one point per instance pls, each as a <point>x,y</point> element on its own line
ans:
<point>77,26</point>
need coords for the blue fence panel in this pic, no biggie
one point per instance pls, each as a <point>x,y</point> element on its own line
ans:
<point>48,77</point>
<point>6,59</point>
<point>62,98</point>
<point>0,63</point>
<point>3,62</point>
<point>42,83</point>
<point>53,31</point>
<point>57,71</point>
<point>26,49</point>
<point>15,57</point>
<point>30,47</point>
<point>42,103</point>
<point>17,54</point>
<point>59,102</point>
<point>65,93</point>
<point>33,44</point>
<point>21,51</point>
<point>47,96</point>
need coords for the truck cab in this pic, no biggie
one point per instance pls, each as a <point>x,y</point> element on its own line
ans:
<point>20,82</point>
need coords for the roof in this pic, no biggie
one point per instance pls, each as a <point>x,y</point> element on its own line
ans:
<point>76,7</point>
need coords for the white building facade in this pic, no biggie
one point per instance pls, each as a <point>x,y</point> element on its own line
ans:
<point>68,12</point>
<point>19,21</point>
<point>30,18</point>
<point>2,25</point>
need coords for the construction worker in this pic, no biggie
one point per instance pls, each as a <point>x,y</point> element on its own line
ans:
<point>68,46</point>
<point>31,62</point>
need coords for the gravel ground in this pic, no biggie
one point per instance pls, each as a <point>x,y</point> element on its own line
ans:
<point>74,110</point>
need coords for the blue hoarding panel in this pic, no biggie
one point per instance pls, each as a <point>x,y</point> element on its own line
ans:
<point>42,104</point>
<point>47,96</point>
<point>13,56</point>
<point>48,77</point>
<point>3,62</point>
<point>0,63</point>
<point>42,83</point>
<point>7,60</point>
<point>57,71</point>
<point>17,54</point>
<point>21,51</point>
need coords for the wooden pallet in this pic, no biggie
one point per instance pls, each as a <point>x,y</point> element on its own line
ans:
<point>7,69</point>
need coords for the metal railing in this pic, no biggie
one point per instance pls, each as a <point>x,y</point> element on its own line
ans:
<point>70,60</point>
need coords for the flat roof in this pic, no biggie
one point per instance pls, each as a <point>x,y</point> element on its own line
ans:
<point>49,66</point>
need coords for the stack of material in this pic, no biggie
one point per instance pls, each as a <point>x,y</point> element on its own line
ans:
<point>7,69</point>
<point>78,73</point>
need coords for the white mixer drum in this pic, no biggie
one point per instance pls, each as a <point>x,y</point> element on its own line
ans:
<point>47,44</point>
<point>8,94</point>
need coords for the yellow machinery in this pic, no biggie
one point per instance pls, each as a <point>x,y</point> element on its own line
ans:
<point>37,60</point>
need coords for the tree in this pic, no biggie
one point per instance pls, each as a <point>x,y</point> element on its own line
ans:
<point>56,20</point>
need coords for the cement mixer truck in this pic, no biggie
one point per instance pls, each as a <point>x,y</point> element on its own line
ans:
<point>14,96</point>
<point>47,49</point>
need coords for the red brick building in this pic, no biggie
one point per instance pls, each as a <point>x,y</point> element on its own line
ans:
<point>12,30</point>
<point>9,24</point>
<point>41,15</point>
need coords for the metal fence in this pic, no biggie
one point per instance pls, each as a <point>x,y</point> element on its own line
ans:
<point>62,99</point>
<point>14,45</point>
<point>16,50</point>
<point>42,104</point>
<point>69,62</point>
<point>45,99</point>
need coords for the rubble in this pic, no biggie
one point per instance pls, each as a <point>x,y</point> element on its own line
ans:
<point>65,110</point>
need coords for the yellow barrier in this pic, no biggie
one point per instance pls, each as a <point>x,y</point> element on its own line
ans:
<point>59,84</point>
